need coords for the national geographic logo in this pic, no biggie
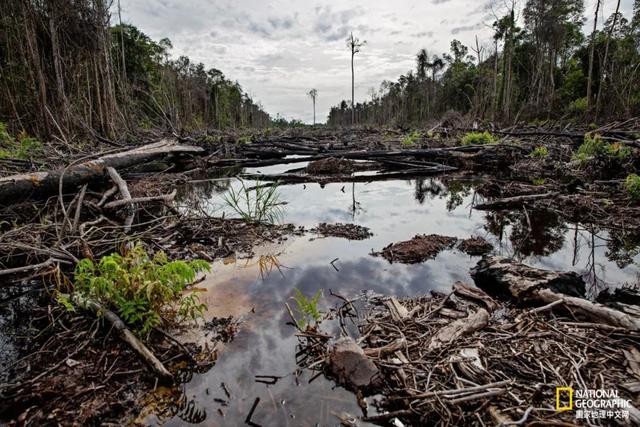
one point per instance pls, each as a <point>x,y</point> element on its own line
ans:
<point>593,404</point>
<point>564,399</point>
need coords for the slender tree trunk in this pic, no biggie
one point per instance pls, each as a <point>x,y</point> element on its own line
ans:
<point>353,85</point>
<point>591,55</point>
<point>314,111</point>
<point>606,54</point>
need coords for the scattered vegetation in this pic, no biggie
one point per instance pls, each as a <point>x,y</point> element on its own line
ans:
<point>632,185</point>
<point>142,289</point>
<point>478,138</point>
<point>539,152</point>
<point>411,138</point>
<point>307,309</point>
<point>21,147</point>
<point>538,181</point>
<point>596,147</point>
<point>259,204</point>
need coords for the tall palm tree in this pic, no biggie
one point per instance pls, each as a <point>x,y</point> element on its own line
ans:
<point>313,93</point>
<point>354,44</point>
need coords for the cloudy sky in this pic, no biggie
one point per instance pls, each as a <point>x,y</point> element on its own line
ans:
<point>279,50</point>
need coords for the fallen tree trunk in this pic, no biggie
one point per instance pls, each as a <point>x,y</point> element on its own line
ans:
<point>46,183</point>
<point>296,178</point>
<point>513,202</point>
<point>126,335</point>
<point>533,285</point>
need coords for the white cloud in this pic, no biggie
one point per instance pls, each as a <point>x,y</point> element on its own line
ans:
<point>278,50</point>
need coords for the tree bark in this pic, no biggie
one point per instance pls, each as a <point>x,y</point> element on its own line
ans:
<point>44,183</point>
<point>526,284</point>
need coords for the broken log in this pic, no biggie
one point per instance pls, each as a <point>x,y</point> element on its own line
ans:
<point>46,183</point>
<point>350,365</point>
<point>454,330</point>
<point>513,202</point>
<point>533,285</point>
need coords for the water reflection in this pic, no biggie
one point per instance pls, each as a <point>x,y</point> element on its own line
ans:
<point>256,289</point>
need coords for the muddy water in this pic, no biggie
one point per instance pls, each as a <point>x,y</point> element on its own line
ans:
<point>257,288</point>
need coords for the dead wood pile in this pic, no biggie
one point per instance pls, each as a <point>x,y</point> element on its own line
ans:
<point>464,358</point>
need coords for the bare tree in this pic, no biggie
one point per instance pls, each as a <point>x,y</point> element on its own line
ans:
<point>354,44</point>
<point>591,54</point>
<point>313,94</point>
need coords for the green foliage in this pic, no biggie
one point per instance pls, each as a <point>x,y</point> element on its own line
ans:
<point>539,152</point>
<point>411,138</point>
<point>537,181</point>
<point>578,106</point>
<point>478,138</point>
<point>260,204</point>
<point>595,147</point>
<point>308,309</point>
<point>24,147</point>
<point>632,185</point>
<point>244,139</point>
<point>140,288</point>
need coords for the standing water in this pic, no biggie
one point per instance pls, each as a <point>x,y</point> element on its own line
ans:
<point>256,288</point>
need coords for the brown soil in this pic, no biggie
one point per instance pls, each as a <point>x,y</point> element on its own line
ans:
<point>330,166</point>
<point>79,372</point>
<point>475,246</point>
<point>347,231</point>
<point>420,248</point>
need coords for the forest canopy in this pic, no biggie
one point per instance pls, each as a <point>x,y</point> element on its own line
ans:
<point>65,70</point>
<point>540,65</point>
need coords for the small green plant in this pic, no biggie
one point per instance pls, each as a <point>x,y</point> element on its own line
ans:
<point>140,288</point>
<point>411,138</point>
<point>618,150</point>
<point>308,309</point>
<point>578,106</point>
<point>260,204</point>
<point>537,181</point>
<point>594,146</point>
<point>478,138</point>
<point>632,185</point>
<point>539,152</point>
<point>25,147</point>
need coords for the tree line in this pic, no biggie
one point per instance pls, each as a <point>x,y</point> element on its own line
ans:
<point>65,70</point>
<point>539,65</point>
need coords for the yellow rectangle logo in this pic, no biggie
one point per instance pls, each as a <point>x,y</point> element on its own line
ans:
<point>561,406</point>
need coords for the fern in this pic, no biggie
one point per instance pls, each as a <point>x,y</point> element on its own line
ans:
<point>141,288</point>
<point>307,308</point>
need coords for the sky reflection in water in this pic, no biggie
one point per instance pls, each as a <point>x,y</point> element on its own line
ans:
<point>394,211</point>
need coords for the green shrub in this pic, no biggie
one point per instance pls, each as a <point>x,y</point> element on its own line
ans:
<point>578,106</point>
<point>259,204</point>
<point>539,152</point>
<point>594,146</point>
<point>411,138</point>
<point>141,289</point>
<point>25,147</point>
<point>538,181</point>
<point>618,150</point>
<point>632,185</point>
<point>478,138</point>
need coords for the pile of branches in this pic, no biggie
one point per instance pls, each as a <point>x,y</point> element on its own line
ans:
<point>466,359</point>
